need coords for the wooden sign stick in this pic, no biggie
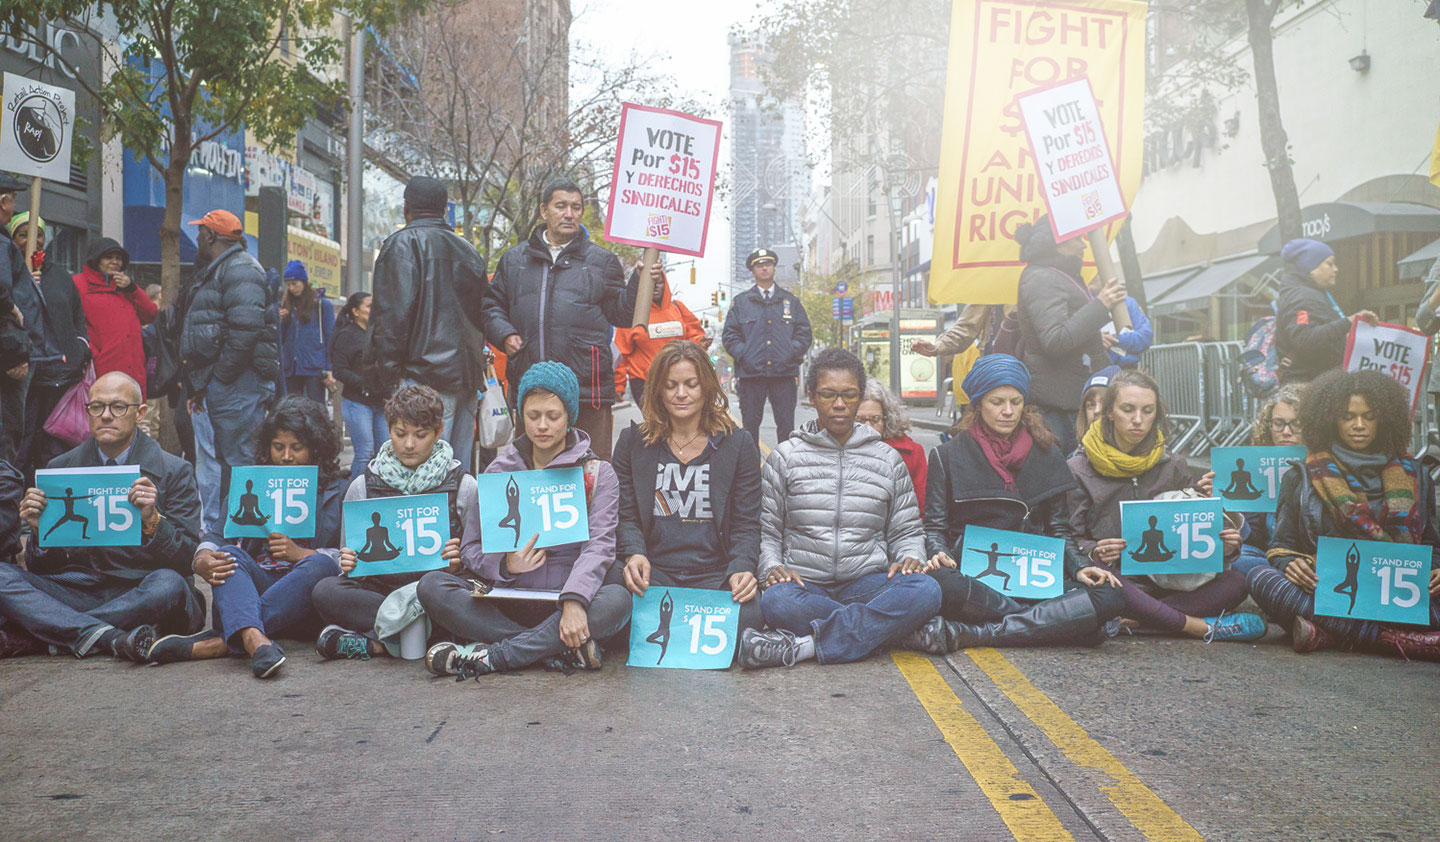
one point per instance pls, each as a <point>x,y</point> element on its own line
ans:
<point>1107,269</point>
<point>643,299</point>
<point>32,230</point>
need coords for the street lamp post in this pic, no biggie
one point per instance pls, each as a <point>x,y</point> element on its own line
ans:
<point>895,292</point>
<point>355,166</point>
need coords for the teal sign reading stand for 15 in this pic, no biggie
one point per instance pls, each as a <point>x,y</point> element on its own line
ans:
<point>1373,580</point>
<point>684,628</point>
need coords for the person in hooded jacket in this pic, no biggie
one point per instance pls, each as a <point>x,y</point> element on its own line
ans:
<point>1003,469</point>
<point>1060,321</point>
<point>842,548</point>
<point>115,310</point>
<point>670,320</point>
<point>882,411</point>
<point>507,635</point>
<point>1310,329</point>
<point>307,330</point>
<point>556,297</point>
<point>60,346</point>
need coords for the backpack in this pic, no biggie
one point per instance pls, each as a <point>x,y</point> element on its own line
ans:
<point>1260,360</point>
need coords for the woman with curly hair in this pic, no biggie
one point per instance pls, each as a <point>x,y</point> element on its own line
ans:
<point>1276,425</point>
<point>1124,458</point>
<point>884,412</point>
<point>1004,469</point>
<point>271,594</point>
<point>1358,482</point>
<point>689,487</point>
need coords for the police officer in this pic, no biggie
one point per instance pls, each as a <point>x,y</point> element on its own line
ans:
<point>767,334</point>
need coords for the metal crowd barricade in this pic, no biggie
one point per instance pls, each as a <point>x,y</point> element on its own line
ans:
<point>1180,371</point>
<point>1202,387</point>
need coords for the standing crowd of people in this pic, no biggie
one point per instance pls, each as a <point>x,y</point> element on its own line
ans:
<point>841,541</point>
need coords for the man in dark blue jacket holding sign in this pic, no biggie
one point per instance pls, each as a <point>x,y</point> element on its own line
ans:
<point>110,599</point>
<point>767,334</point>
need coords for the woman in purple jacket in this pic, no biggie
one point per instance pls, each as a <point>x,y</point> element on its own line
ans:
<point>510,634</point>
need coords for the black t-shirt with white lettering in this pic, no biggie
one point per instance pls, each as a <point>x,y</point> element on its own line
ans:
<point>683,540</point>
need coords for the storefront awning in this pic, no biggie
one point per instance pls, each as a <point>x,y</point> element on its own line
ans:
<point>1332,221</point>
<point>1210,280</point>
<point>1156,286</point>
<point>1419,263</point>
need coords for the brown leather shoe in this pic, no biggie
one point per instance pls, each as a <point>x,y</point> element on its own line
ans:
<point>15,643</point>
<point>1305,636</point>
<point>1412,645</point>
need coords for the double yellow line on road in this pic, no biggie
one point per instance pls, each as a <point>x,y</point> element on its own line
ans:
<point>1029,819</point>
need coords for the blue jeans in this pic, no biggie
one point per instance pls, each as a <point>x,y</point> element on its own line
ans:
<point>224,438</point>
<point>1250,558</point>
<point>459,421</point>
<point>368,431</point>
<point>72,608</point>
<point>271,601</point>
<point>852,619</point>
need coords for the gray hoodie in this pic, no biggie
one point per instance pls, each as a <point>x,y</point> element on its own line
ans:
<point>834,513</point>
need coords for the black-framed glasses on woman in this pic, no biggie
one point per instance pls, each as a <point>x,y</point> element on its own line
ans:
<point>1280,425</point>
<point>830,396</point>
<point>117,409</point>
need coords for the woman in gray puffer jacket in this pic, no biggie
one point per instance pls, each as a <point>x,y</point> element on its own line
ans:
<point>842,546</point>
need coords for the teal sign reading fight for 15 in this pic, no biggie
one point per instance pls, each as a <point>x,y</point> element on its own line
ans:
<point>1171,536</point>
<point>705,625</point>
<point>518,505</point>
<point>1015,563</point>
<point>1373,580</point>
<point>88,507</point>
<point>272,498</point>
<point>1247,479</point>
<point>397,534</point>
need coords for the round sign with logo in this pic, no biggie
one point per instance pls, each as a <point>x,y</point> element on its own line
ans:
<point>841,287</point>
<point>36,121</point>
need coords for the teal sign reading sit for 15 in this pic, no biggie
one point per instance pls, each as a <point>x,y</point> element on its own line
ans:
<point>397,534</point>
<point>267,499</point>
<point>1171,536</point>
<point>1248,478</point>
<point>518,505</point>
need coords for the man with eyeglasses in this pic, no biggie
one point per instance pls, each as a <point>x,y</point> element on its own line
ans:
<point>767,334</point>
<point>842,555</point>
<point>116,600</point>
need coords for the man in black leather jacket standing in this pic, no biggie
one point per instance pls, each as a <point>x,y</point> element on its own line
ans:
<point>425,326</point>
<point>556,297</point>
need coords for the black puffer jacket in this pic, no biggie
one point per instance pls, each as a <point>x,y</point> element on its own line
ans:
<point>1310,329</point>
<point>230,323</point>
<point>1060,323</point>
<point>562,309</point>
<point>962,488</point>
<point>425,317</point>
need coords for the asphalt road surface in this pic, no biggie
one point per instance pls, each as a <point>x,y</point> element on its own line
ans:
<point>1144,738</point>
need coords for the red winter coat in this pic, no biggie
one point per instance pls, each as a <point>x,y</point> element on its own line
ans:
<point>114,318</point>
<point>913,453</point>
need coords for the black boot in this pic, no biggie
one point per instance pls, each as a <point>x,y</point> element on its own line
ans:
<point>969,600</point>
<point>1068,619</point>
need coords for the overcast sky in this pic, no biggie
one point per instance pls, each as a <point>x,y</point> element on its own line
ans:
<point>687,42</point>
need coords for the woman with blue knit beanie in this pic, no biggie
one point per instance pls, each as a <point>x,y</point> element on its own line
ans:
<point>307,322</point>
<point>493,635</point>
<point>1002,468</point>
<point>1310,329</point>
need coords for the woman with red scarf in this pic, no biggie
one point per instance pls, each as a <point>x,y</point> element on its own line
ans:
<point>1358,482</point>
<point>1003,469</point>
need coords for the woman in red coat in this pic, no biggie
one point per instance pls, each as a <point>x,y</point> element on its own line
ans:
<point>883,411</point>
<point>115,310</point>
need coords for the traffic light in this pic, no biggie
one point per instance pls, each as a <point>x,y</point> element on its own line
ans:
<point>692,276</point>
<point>715,299</point>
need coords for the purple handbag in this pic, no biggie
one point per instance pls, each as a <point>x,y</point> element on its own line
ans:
<point>67,421</point>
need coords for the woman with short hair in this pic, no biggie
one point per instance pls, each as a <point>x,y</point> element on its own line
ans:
<point>1358,482</point>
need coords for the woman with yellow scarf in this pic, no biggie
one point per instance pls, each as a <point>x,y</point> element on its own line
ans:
<point>1122,457</point>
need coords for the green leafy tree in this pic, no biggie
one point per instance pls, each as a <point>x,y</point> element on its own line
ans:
<point>183,72</point>
<point>817,292</point>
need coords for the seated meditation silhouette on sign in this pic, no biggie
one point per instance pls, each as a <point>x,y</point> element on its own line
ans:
<point>70,498</point>
<point>377,542</point>
<point>1241,488</point>
<point>994,555</point>
<point>249,513</point>
<point>1152,544</point>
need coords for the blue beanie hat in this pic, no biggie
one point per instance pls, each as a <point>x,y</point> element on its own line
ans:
<point>1100,378</point>
<point>295,271</point>
<point>1305,255</point>
<point>992,371</point>
<point>557,379</point>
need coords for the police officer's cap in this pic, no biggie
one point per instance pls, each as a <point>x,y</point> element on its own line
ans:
<point>760,256</point>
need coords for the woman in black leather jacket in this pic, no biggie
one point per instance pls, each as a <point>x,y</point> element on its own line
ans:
<point>1003,469</point>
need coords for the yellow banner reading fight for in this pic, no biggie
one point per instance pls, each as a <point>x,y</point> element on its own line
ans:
<point>988,185</point>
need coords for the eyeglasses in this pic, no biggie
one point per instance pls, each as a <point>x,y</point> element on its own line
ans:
<point>830,396</point>
<point>119,410</point>
<point>872,420</point>
<point>1280,425</point>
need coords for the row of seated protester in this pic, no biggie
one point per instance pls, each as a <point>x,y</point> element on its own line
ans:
<point>825,545</point>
